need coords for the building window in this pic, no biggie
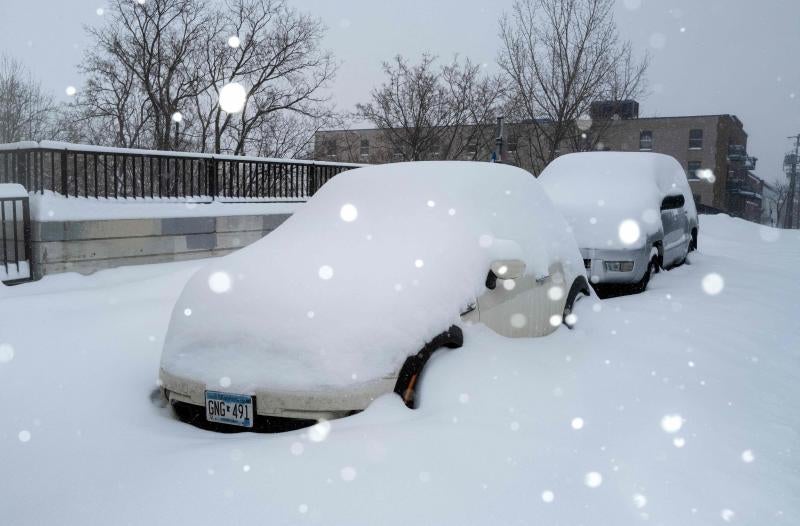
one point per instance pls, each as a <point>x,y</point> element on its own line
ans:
<point>646,140</point>
<point>435,149</point>
<point>331,147</point>
<point>695,139</point>
<point>513,143</point>
<point>693,168</point>
<point>472,150</point>
<point>363,150</point>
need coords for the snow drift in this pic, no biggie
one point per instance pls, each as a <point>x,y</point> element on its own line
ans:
<point>380,261</point>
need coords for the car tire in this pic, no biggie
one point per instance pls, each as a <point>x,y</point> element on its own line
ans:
<point>411,372</point>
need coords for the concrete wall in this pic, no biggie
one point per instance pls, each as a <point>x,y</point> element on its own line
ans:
<point>88,246</point>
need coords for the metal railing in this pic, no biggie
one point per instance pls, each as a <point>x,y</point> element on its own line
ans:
<point>73,170</point>
<point>15,240</point>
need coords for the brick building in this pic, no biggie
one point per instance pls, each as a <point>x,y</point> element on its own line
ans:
<point>711,148</point>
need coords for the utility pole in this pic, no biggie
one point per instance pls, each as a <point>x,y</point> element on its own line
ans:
<point>788,221</point>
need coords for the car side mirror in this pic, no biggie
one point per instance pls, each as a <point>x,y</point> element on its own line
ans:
<point>504,269</point>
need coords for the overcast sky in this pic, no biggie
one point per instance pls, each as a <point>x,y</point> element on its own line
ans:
<point>708,56</point>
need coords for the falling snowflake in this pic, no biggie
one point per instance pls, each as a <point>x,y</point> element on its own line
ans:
<point>555,293</point>
<point>629,232</point>
<point>577,423</point>
<point>348,213</point>
<point>219,282</point>
<point>639,500</point>
<point>6,352</point>
<point>24,436</point>
<point>71,91</point>
<point>325,272</point>
<point>234,41</point>
<point>747,456</point>
<point>672,423</point>
<point>548,496</point>
<point>232,97</point>
<point>348,473</point>
<point>518,320</point>
<point>319,431</point>
<point>593,479</point>
<point>713,284</point>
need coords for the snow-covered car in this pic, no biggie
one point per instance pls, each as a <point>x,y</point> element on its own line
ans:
<point>348,299</point>
<point>631,213</point>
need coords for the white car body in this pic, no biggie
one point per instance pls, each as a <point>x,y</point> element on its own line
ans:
<point>607,195</point>
<point>319,318</point>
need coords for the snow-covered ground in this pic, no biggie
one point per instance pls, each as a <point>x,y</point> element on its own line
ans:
<point>680,406</point>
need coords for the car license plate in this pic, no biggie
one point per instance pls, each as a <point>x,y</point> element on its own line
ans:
<point>229,408</point>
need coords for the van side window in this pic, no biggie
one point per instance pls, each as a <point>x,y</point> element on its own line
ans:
<point>672,202</point>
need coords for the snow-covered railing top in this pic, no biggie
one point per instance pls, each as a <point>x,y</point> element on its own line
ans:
<point>12,190</point>
<point>90,148</point>
<point>100,171</point>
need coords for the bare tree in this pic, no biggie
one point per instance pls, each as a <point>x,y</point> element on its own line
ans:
<point>425,111</point>
<point>151,48</point>
<point>280,63</point>
<point>26,110</point>
<point>560,56</point>
<point>111,108</point>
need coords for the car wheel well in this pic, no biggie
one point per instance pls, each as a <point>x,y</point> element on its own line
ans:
<point>579,286</point>
<point>408,379</point>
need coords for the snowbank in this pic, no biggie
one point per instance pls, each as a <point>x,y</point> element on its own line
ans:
<point>380,261</point>
<point>53,207</point>
<point>492,443</point>
<point>13,273</point>
<point>597,191</point>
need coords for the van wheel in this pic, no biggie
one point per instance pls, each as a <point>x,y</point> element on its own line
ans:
<point>411,372</point>
<point>653,267</point>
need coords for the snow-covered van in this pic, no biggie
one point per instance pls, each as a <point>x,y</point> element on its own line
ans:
<point>631,213</point>
<point>348,298</point>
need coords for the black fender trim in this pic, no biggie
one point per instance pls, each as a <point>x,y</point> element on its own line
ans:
<point>579,286</point>
<point>452,338</point>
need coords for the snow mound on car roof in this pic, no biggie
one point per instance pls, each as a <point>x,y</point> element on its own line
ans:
<point>380,261</point>
<point>597,191</point>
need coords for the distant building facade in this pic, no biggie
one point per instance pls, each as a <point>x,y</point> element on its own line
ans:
<point>711,148</point>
